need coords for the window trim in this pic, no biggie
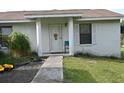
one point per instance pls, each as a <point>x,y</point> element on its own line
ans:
<point>3,47</point>
<point>91,34</point>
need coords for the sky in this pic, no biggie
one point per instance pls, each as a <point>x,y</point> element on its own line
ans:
<point>19,5</point>
<point>118,10</point>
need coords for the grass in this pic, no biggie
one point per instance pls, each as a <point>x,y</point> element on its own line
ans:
<point>94,69</point>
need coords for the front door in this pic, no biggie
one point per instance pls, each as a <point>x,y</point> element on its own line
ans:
<point>55,38</point>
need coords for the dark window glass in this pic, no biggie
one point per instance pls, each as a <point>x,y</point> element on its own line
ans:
<point>4,32</point>
<point>85,34</point>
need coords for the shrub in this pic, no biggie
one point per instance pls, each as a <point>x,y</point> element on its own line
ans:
<point>34,53</point>
<point>19,44</point>
<point>84,54</point>
<point>1,54</point>
<point>81,54</point>
<point>122,39</point>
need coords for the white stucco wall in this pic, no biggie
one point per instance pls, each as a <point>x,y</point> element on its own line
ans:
<point>105,39</point>
<point>105,36</point>
<point>28,29</point>
<point>45,31</point>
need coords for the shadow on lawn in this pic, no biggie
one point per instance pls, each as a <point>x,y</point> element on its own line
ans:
<point>77,76</point>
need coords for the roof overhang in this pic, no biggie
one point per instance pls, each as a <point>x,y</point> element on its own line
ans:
<point>15,21</point>
<point>99,18</point>
<point>53,15</point>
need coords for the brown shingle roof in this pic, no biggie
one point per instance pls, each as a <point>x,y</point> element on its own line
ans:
<point>53,12</point>
<point>101,13</point>
<point>20,15</point>
<point>11,16</point>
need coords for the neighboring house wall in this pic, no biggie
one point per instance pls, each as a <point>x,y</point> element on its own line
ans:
<point>105,39</point>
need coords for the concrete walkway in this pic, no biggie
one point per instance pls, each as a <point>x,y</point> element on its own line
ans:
<point>51,71</point>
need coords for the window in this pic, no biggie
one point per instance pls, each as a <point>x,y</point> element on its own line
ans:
<point>4,32</point>
<point>85,34</point>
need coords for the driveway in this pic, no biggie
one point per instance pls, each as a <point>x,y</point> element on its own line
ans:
<point>50,72</point>
<point>23,74</point>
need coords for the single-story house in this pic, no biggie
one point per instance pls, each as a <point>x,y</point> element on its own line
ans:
<point>66,32</point>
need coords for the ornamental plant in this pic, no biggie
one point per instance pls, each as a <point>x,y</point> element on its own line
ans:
<point>19,44</point>
<point>122,40</point>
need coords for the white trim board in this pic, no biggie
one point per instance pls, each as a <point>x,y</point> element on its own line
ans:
<point>17,21</point>
<point>58,15</point>
<point>99,18</point>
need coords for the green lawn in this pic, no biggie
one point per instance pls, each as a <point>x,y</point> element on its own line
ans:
<point>93,69</point>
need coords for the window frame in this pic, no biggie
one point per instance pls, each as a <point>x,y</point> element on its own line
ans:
<point>3,35</point>
<point>88,44</point>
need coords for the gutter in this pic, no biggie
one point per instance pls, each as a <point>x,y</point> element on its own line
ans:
<point>99,18</point>
<point>58,15</point>
<point>16,21</point>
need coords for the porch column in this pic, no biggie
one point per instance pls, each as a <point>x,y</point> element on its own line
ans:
<point>71,36</point>
<point>39,36</point>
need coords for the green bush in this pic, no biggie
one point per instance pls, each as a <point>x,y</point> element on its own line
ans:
<point>122,39</point>
<point>19,44</point>
<point>1,54</point>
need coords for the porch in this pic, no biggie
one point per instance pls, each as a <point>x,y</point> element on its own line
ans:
<point>55,54</point>
<point>55,37</point>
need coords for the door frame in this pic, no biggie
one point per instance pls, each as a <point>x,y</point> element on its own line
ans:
<point>60,38</point>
